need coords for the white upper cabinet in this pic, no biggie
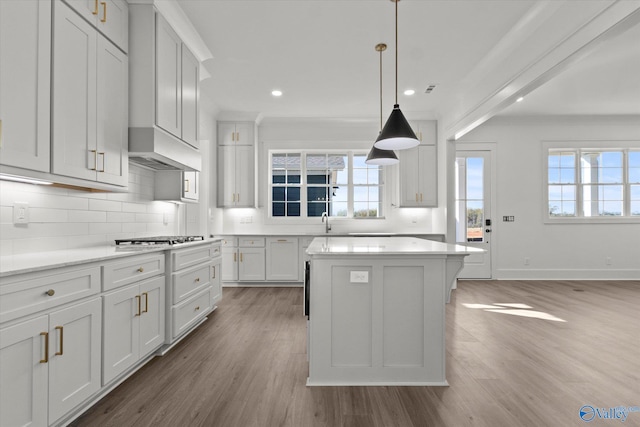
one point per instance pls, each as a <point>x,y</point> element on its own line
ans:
<point>418,169</point>
<point>235,133</point>
<point>236,164</point>
<point>25,76</point>
<point>110,17</point>
<point>189,91</point>
<point>89,102</point>
<point>168,75</point>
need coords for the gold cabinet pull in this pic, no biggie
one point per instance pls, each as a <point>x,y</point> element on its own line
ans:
<point>186,186</point>
<point>140,270</point>
<point>214,272</point>
<point>240,256</point>
<point>420,197</point>
<point>104,11</point>
<point>197,279</point>
<point>234,257</point>
<point>61,329</point>
<point>100,153</point>
<point>197,308</point>
<point>238,198</point>
<point>95,8</point>
<point>139,305</point>
<point>146,302</point>
<point>46,347</point>
<point>50,292</point>
<point>233,136</point>
<point>282,240</point>
<point>95,160</point>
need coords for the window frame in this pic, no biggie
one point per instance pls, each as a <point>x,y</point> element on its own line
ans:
<point>579,148</point>
<point>304,218</point>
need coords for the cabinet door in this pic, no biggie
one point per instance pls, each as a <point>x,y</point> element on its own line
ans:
<point>190,81</point>
<point>122,309</point>
<point>190,185</point>
<point>74,95</point>
<point>112,127</point>
<point>282,259</point>
<point>244,133</point>
<point>24,373</point>
<point>244,175</point>
<point>25,75</point>
<point>226,133</point>
<point>74,356</point>
<point>88,9</point>
<point>252,264</point>
<point>409,177</point>
<point>152,315</point>
<point>113,21</point>
<point>229,265</point>
<point>226,176</point>
<point>216,284</point>
<point>428,176</point>
<point>168,70</point>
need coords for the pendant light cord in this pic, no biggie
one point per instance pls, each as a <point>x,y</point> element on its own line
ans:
<point>396,2</point>
<point>381,89</point>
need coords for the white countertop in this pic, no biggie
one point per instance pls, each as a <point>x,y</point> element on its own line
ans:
<point>27,263</point>
<point>321,246</point>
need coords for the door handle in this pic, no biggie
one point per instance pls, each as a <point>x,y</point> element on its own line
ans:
<point>46,347</point>
<point>61,329</point>
<point>104,11</point>
<point>146,302</point>
<point>139,300</point>
<point>95,9</point>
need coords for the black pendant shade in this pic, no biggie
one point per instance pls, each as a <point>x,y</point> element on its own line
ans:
<point>381,157</point>
<point>397,133</point>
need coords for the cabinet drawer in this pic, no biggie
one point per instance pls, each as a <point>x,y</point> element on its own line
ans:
<point>249,242</point>
<point>188,282</point>
<point>229,241</point>
<point>131,270</point>
<point>216,250</point>
<point>190,311</point>
<point>184,258</point>
<point>32,293</point>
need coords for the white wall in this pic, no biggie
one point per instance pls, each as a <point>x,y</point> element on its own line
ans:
<point>324,134</point>
<point>555,251</point>
<point>62,218</point>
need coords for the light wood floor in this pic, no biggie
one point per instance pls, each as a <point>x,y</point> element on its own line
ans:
<point>246,366</point>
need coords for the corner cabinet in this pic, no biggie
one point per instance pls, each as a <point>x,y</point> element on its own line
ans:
<point>89,101</point>
<point>25,82</point>
<point>418,169</point>
<point>236,164</point>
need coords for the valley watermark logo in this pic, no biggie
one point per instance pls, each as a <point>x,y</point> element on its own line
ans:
<point>589,413</point>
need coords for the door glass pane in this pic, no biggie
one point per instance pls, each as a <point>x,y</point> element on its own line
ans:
<point>470,212</point>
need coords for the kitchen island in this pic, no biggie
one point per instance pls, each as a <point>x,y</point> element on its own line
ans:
<point>377,309</point>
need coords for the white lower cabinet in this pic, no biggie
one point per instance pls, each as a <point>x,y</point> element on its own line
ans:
<point>282,259</point>
<point>50,364</point>
<point>133,325</point>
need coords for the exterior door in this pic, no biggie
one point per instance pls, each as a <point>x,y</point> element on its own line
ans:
<point>473,210</point>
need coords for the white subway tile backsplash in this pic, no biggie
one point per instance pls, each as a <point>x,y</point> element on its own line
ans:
<point>64,218</point>
<point>87,216</point>
<point>105,205</point>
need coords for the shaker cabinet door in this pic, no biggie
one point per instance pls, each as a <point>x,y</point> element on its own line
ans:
<point>168,76</point>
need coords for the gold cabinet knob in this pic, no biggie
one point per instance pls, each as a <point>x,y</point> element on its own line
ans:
<point>197,279</point>
<point>50,292</point>
<point>197,308</point>
<point>140,270</point>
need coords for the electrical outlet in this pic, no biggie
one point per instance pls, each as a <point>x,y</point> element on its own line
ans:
<point>359,277</point>
<point>20,213</point>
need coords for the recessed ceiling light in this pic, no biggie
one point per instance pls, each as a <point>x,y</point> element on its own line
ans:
<point>276,93</point>
<point>520,99</point>
<point>409,92</point>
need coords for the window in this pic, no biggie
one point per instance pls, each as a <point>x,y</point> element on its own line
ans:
<point>309,183</point>
<point>593,183</point>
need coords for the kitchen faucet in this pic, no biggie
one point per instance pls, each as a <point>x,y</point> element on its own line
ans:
<point>327,226</point>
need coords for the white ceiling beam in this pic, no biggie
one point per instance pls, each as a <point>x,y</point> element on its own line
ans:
<point>550,38</point>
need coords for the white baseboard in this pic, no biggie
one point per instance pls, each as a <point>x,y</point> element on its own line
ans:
<point>567,274</point>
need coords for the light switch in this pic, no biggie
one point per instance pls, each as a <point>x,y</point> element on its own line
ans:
<point>359,277</point>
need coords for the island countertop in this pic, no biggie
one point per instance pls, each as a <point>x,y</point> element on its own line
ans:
<point>327,246</point>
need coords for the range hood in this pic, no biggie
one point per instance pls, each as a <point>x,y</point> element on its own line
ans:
<point>153,148</point>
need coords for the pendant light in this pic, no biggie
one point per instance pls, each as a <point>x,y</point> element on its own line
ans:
<point>397,133</point>
<point>378,156</point>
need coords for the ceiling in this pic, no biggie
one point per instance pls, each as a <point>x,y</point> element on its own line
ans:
<point>320,54</point>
